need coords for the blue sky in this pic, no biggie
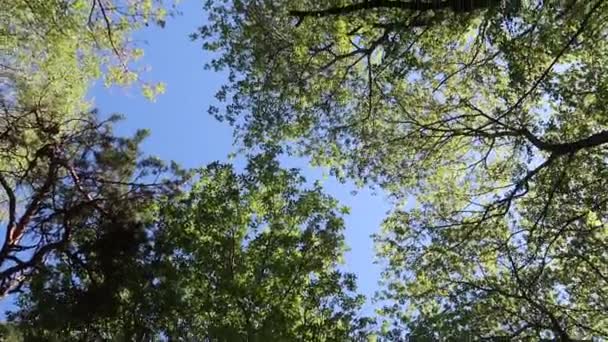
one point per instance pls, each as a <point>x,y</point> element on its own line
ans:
<point>183,131</point>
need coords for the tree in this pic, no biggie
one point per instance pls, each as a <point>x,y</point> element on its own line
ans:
<point>492,119</point>
<point>79,227</point>
<point>246,257</point>
<point>53,50</point>
<point>55,155</point>
<point>73,177</point>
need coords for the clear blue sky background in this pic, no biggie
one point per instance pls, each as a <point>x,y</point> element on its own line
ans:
<point>183,131</point>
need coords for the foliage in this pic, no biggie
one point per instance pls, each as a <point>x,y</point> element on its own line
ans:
<point>493,118</point>
<point>63,186</point>
<point>56,157</point>
<point>97,243</point>
<point>88,198</point>
<point>51,50</point>
<point>248,257</point>
<point>10,333</point>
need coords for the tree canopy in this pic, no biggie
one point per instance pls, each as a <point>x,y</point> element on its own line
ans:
<point>247,257</point>
<point>484,122</point>
<point>71,179</point>
<point>58,159</point>
<point>101,243</point>
<point>53,50</point>
<point>492,118</point>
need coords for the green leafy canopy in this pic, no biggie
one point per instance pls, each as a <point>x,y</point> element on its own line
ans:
<point>247,257</point>
<point>491,115</point>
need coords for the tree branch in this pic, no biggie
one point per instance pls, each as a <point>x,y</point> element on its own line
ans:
<point>415,5</point>
<point>12,207</point>
<point>555,59</point>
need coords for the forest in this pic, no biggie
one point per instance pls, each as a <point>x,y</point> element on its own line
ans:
<point>480,125</point>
